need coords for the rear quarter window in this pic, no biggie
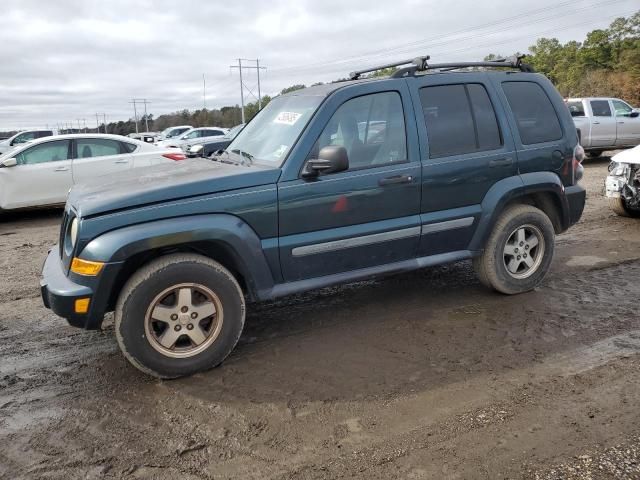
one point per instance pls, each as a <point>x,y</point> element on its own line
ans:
<point>534,114</point>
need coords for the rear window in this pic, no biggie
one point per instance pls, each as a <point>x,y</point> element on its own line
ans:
<point>576,108</point>
<point>535,116</point>
<point>460,119</point>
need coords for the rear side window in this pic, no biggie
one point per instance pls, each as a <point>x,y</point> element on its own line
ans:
<point>128,147</point>
<point>600,108</point>
<point>535,116</point>
<point>97,147</point>
<point>576,108</point>
<point>460,119</point>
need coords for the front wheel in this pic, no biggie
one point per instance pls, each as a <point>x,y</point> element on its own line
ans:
<point>519,251</point>
<point>620,207</point>
<point>179,315</point>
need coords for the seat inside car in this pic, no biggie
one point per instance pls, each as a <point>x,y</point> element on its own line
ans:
<point>86,152</point>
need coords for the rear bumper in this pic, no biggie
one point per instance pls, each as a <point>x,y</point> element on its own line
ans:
<point>59,292</point>
<point>576,197</point>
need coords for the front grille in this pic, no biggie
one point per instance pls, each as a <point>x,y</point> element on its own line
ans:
<point>63,231</point>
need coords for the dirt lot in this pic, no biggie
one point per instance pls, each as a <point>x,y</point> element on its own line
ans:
<point>424,375</point>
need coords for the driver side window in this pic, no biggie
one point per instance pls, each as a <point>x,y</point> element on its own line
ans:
<point>621,108</point>
<point>371,128</point>
<point>45,152</point>
<point>24,137</point>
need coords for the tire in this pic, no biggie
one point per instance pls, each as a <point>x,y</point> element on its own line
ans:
<point>492,267</point>
<point>594,153</point>
<point>619,207</point>
<point>156,291</point>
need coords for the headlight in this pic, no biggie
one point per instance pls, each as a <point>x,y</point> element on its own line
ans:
<point>620,169</point>
<point>73,232</point>
<point>196,149</point>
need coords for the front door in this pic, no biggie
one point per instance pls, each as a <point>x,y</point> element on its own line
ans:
<point>41,177</point>
<point>603,124</point>
<point>95,157</point>
<point>367,215</point>
<point>627,126</point>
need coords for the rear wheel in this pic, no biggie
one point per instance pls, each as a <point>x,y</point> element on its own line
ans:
<point>620,207</point>
<point>179,315</point>
<point>519,251</point>
<point>594,153</point>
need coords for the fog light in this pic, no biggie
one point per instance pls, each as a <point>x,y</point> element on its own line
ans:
<point>81,305</point>
<point>85,267</point>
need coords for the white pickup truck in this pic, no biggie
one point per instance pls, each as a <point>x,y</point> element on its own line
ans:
<point>605,124</point>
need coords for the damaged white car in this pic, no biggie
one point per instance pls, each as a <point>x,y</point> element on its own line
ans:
<point>622,186</point>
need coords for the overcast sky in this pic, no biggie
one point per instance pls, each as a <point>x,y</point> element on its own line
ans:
<point>67,59</point>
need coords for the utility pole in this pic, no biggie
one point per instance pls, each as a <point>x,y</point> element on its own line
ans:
<point>97,124</point>
<point>204,93</point>
<point>144,101</point>
<point>257,68</point>
<point>104,116</point>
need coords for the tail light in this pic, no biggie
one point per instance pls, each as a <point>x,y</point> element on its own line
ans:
<point>578,157</point>
<point>174,156</point>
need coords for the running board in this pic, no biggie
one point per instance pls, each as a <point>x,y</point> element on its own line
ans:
<point>298,286</point>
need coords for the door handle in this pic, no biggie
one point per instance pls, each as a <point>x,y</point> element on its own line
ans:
<point>503,162</point>
<point>620,123</point>
<point>121,161</point>
<point>61,169</point>
<point>596,123</point>
<point>395,179</point>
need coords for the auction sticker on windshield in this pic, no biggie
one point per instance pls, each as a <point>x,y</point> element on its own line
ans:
<point>287,118</point>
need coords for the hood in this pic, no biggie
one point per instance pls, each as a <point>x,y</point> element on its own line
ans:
<point>628,156</point>
<point>165,182</point>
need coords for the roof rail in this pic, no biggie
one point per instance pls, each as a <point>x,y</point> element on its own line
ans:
<point>420,64</point>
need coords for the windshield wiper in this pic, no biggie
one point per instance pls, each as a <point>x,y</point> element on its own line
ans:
<point>244,155</point>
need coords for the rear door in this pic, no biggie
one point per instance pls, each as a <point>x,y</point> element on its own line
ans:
<point>41,177</point>
<point>627,126</point>
<point>95,157</point>
<point>603,124</point>
<point>465,149</point>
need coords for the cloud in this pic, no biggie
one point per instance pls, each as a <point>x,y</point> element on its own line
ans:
<point>68,59</point>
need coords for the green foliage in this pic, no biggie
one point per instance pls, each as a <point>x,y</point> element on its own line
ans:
<point>607,63</point>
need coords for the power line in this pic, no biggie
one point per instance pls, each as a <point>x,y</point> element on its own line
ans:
<point>144,101</point>
<point>440,40</point>
<point>257,68</point>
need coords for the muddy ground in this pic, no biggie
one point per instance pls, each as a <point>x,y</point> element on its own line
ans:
<point>422,375</point>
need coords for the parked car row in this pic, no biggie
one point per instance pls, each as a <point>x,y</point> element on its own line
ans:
<point>22,137</point>
<point>41,172</point>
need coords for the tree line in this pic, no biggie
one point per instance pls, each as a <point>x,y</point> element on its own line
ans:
<point>606,63</point>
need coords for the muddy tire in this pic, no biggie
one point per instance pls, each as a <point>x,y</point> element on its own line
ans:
<point>179,315</point>
<point>519,251</point>
<point>619,207</point>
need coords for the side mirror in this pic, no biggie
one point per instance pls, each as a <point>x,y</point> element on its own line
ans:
<point>8,162</point>
<point>634,114</point>
<point>331,159</point>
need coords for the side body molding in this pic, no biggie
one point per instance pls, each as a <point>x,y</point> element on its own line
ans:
<point>502,192</point>
<point>226,232</point>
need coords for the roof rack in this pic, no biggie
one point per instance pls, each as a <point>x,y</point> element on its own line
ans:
<point>420,64</point>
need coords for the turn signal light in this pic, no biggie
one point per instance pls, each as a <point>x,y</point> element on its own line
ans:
<point>81,305</point>
<point>86,267</point>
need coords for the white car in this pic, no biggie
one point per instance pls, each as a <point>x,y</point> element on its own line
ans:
<point>622,186</point>
<point>41,172</point>
<point>193,137</point>
<point>172,132</point>
<point>23,137</point>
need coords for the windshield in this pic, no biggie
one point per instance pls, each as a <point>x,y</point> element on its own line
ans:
<point>234,131</point>
<point>175,132</point>
<point>271,134</point>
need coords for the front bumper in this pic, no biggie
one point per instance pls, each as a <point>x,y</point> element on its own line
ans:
<point>613,185</point>
<point>59,292</point>
<point>576,197</point>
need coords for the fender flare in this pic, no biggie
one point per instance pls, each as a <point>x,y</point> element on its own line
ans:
<point>508,189</point>
<point>224,231</point>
